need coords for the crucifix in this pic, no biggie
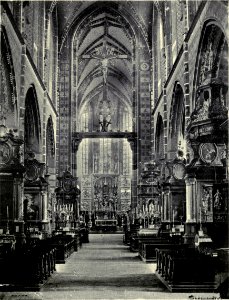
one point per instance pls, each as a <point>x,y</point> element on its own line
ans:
<point>104,56</point>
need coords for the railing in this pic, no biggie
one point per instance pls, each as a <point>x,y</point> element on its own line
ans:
<point>106,225</point>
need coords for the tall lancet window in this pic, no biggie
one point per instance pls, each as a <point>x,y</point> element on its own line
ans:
<point>160,56</point>
<point>84,121</point>
<point>85,157</point>
<point>127,157</point>
<point>127,122</point>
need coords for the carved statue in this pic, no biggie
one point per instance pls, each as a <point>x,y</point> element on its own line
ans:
<point>205,200</point>
<point>217,200</point>
<point>104,125</point>
<point>207,203</point>
<point>202,111</point>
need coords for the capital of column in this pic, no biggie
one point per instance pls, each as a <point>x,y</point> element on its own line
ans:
<point>76,142</point>
<point>190,179</point>
<point>133,142</point>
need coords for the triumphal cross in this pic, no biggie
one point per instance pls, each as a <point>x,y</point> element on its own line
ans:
<point>104,55</point>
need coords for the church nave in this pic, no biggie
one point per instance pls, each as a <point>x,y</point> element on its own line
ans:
<point>103,269</point>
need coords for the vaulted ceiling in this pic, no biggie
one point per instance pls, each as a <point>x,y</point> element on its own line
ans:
<point>69,11</point>
<point>105,58</point>
<point>104,37</point>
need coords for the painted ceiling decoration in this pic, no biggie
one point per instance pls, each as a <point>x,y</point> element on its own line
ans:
<point>104,56</point>
<point>72,12</point>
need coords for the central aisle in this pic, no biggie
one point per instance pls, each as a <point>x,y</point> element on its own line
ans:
<point>103,269</point>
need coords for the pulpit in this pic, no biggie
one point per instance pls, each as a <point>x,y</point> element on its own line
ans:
<point>206,186</point>
<point>206,173</point>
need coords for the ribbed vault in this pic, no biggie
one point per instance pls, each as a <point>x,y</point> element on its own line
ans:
<point>103,47</point>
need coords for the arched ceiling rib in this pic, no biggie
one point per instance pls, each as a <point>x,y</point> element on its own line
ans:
<point>97,92</point>
<point>69,11</point>
<point>104,57</point>
<point>104,36</point>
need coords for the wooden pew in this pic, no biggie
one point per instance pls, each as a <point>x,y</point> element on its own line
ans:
<point>222,272</point>
<point>84,235</point>
<point>134,228</point>
<point>27,268</point>
<point>148,241</point>
<point>64,246</point>
<point>184,268</point>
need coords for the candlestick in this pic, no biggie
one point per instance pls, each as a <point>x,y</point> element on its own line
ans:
<point>7,220</point>
<point>173,217</point>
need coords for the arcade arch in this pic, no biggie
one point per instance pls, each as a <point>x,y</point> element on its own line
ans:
<point>32,124</point>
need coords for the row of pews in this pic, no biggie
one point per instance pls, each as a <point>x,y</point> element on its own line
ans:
<point>180,267</point>
<point>28,267</point>
<point>183,268</point>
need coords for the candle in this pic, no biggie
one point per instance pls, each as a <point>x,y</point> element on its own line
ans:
<point>173,216</point>
<point>7,213</point>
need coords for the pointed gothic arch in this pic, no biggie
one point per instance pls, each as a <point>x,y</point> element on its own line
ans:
<point>97,26</point>
<point>177,119</point>
<point>212,59</point>
<point>32,125</point>
<point>159,138</point>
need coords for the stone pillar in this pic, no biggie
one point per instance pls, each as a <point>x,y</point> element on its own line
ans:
<point>75,146</point>
<point>133,144</point>
<point>18,199</point>
<point>167,206</point>
<point>76,205</point>
<point>190,224</point>
<point>44,206</point>
<point>162,206</point>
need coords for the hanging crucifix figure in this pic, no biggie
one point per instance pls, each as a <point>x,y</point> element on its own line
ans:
<point>104,56</point>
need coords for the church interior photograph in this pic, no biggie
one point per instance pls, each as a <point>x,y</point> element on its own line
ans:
<point>114,149</point>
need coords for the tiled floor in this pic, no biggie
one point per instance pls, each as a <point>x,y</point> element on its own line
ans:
<point>104,269</point>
